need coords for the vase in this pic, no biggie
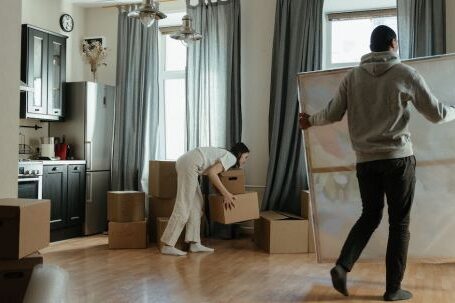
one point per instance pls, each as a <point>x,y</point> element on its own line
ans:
<point>93,70</point>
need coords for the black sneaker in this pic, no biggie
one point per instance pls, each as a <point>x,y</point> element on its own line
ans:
<point>338,274</point>
<point>398,295</point>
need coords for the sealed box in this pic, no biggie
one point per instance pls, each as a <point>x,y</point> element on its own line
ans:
<point>125,206</point>
<point>128,234</point>
<point>306,214</point>
<point>234,181</point>
<point>246,208</point>
<point>278,232</point>
<point>161,224</point>
<point>162,179</point>
<point>15,276</point>
<point>158,207</point>
<point>24,227</point>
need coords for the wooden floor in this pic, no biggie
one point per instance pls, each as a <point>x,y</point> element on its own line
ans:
<point>236,272</point>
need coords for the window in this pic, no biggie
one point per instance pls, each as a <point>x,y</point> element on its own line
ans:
<point>173,94</point>
<point>348,34</point>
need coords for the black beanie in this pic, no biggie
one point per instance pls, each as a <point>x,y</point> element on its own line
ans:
<point>381,38</point>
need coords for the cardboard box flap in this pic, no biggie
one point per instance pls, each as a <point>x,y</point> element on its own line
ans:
<point>278,215</point>
<point>290,216</point>
<point>233,173</point>
<point>272,215</point>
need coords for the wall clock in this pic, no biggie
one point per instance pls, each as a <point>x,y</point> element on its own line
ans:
<point>66,23</point>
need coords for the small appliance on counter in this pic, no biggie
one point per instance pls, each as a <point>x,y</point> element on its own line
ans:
<point>61,149</point>
<point>47,148</point>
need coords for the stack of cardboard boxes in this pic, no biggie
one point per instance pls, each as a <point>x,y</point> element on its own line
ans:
<point>24,229</point>
<point>127,223</point>
<point>163,191</point>
<point>246,204</point>
<point>279,232</point>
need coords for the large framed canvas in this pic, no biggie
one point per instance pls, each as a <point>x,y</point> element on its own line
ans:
<point>335,198</point>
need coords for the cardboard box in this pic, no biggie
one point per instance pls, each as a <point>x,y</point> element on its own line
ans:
<point>15,276</point>
<point>306,214</point>
<point>24,227</point>
<point>234,181</point>
<point>246,208</point>
<point>125,206</point>
<point>278,232</point>
<point>161,224</point>
<point>128,235</point>
<point>162,179</point>
<point>158,208</point>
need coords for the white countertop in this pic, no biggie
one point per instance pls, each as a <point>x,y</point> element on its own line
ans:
<point>63,162</point>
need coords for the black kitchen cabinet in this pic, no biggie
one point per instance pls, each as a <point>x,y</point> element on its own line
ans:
<point>55,188</point>
<point>64,185</point>
<point>76,194</point>
<point>43,67</point>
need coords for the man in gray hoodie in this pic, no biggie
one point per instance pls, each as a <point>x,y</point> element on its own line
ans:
<point>377,96</point>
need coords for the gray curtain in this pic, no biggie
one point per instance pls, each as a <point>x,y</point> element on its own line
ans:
<point>137,103</point>
<point>213,75</point>
<point>297,47</point>
<point>421,27</point>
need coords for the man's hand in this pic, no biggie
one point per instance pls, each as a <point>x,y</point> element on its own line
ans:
<point>304,121</point>
<point>229,201</point>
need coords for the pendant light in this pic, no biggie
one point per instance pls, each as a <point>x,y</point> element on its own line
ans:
<point>147,13</point>
<point>186,33</point>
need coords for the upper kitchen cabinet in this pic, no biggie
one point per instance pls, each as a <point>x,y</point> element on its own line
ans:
<point>43,67</point>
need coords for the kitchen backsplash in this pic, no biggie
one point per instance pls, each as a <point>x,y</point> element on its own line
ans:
<point>31,137</point>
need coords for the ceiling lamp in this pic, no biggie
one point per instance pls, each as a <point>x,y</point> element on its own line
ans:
<point>186,33</point>
<point>147,13</point>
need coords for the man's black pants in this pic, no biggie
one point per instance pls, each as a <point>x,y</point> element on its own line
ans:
<point>394,178</point>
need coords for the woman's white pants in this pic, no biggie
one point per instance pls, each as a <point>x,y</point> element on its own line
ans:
<point>188,203</point>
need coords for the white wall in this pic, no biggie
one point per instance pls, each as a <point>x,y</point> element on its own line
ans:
<point>103,22</point>
<point>450,25</point>
<point>10,35</point>
<point>257,26</point>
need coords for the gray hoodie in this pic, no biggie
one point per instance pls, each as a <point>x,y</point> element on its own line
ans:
<point>376,96</point>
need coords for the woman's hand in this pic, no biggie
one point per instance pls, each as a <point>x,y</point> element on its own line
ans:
<point>229,200</point>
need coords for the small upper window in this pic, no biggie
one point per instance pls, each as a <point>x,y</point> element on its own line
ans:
<point>349,33</point>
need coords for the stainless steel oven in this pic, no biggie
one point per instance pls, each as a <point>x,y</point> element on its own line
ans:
<point>30,180</point>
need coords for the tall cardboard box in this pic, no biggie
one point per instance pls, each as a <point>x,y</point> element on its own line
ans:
<point>15,276</point>
<point>158,207</point>
<point>128,235</point>
<point>162,179</point>
<point>234,181</point>
<point>161,224</point>
<point>278,232</point>
<point>307,214</point>
<point>246,208</point>
<point>125,206</point>
<point>24,227</point>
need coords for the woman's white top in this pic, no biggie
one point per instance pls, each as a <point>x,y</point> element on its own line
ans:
<point>212,155</point>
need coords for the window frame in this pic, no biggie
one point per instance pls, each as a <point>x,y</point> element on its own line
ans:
<point>349,15</point>
<point>167,75</point>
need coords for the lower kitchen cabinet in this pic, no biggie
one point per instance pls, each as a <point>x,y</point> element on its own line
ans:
<point>64,185</point>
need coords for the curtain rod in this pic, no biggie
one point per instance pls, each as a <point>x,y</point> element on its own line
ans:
<point>362,14</point>
<point>132,3</point>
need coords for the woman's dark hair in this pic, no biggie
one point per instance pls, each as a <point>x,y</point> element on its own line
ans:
<point>381,38</point>
<point>238,150</point>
